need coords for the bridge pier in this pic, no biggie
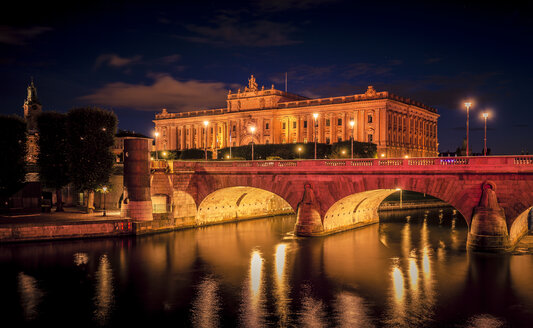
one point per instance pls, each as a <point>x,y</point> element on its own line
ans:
<point>488,229</point>
<point>308,218</point>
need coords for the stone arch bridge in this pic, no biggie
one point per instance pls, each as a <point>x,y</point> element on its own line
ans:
<point>494,194</point>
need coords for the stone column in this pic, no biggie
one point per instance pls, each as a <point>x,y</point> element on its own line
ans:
<point>488,229</point>
<point>137,202</point>
<point>308,219</point>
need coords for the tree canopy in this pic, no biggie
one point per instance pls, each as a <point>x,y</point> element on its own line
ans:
<point>90,133</point>
<point>12,161</point>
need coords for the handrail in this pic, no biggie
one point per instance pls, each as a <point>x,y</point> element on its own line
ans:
<point>486,161</point>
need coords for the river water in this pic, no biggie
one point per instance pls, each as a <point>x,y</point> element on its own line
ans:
<point>410,270</point>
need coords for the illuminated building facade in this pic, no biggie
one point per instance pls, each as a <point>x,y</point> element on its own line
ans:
<point>398,126</point>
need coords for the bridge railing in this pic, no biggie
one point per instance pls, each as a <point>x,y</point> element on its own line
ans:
<point>519,160</point>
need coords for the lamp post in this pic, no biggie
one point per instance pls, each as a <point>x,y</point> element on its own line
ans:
<point>104,189</point>
<point>299,152</point>
<point>206,123</point>
<point>400,189</point>
<point>315,116</point>
<point>252,129</point>
<point>467,104</point>
<point>485,116</point>
<point>229,144</point>
<point>352,124</point>
<point>156,134</point>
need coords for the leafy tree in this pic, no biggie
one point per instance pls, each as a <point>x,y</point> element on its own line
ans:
<point>90,134</point>
<point>53,153</point>
<point>12,161</point>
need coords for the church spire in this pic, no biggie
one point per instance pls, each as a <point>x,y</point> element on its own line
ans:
<point>32,94</point>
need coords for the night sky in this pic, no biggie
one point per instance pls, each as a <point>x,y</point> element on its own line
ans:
<point>137,58</point>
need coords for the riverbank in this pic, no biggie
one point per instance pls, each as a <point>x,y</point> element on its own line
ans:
<point>70,224</point>
<point>410,205</point>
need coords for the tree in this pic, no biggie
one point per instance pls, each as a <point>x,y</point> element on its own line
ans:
<point>53,153</point>
<point>90,134</point>
<point>12,161</point>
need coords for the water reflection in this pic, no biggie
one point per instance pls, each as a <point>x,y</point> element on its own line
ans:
<point>281,287</point>
<point>103,300</point>
<point>207,305</point>
<point>351,311</point>
<point>81,259</point>
<point>30,295</point>
<point>312,312</point>
<point>253,314</point>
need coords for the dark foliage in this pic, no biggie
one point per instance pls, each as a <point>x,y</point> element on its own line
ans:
<point>53,149</point>
<point>91,135</point>
<point>291,151</point>
<point>13,148</point>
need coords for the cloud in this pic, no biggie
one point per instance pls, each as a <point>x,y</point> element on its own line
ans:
<point>114,60</point>
<point>282,5</point>
<point>20,36</point>
<point>164,92</point>
<point>230,30</point>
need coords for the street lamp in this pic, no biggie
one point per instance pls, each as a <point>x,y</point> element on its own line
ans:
<point>299,152</point>
<point>400,189</point>
<point>206,123</point>
<point>485,116</point>
<point>104,189</point>
<point>252,129</point>
<point>156,134</point>
<point>467,104</point>
<point>352,124</point>
<point>315,116</point>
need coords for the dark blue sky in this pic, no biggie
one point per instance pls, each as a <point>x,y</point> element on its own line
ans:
<point>137,58</point>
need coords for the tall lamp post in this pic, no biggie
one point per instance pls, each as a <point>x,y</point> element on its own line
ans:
<point>156,134</point>
<point>206,123</point>
<point>252,129</point>
<point>467,104</point>
<point>104,189</point>
<point>485,116</point>
<point>400,190</point>
<point>315,116</point>
<point>300,152</point>
<point>352,124</point>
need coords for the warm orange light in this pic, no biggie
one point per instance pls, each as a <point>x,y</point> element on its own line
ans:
<point>485,115</point>
<point>299,148</point>
<point>468,104</point>
<point>104,188</point>
<point>406,156</point>
<point>206,123</point>
<point>164,154</point>
<point>315,115</point>
<point>252,129</point>
<point>382,154</point>
<point>352,123</point>
<point>156,134</point>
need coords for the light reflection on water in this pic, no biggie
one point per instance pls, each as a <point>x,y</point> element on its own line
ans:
<point>411,270</point>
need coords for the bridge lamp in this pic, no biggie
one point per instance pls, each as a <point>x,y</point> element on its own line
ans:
<point>252,129</point>
<point>315,116</point>
<point>400,190</point>
<point>164,154</point>
<point>467,105</point>
<point>299,152</point>
<point>485,116</point>
<point>382,154</point>
<point>206,123</point>
<point>227,156</point>
<point>352,124</point>
<point>343,152</point>
<point>104,189</point>
<point>406,156</point>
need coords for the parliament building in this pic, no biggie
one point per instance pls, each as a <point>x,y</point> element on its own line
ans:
<point>398,126</point>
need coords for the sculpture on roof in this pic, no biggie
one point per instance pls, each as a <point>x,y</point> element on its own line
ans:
<point>252,85</point>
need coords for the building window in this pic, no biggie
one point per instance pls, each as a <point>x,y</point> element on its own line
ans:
<point>305,124</point>
<point>211,129</point>
<point>187,131</point>
<point>233,128</point>
<point>339,121</point>
<point>339,139</point>
<point>284,125</point>
<point>327,122</point>
<point>267,126</point>
<point>370,118</point>
<point>294,125</point>
<point>327,141</point>
<point>370,138</point>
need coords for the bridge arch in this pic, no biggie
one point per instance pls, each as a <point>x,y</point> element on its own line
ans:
<point>240,203</point>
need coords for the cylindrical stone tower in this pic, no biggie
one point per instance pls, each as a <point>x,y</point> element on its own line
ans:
<point>137,196</point>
